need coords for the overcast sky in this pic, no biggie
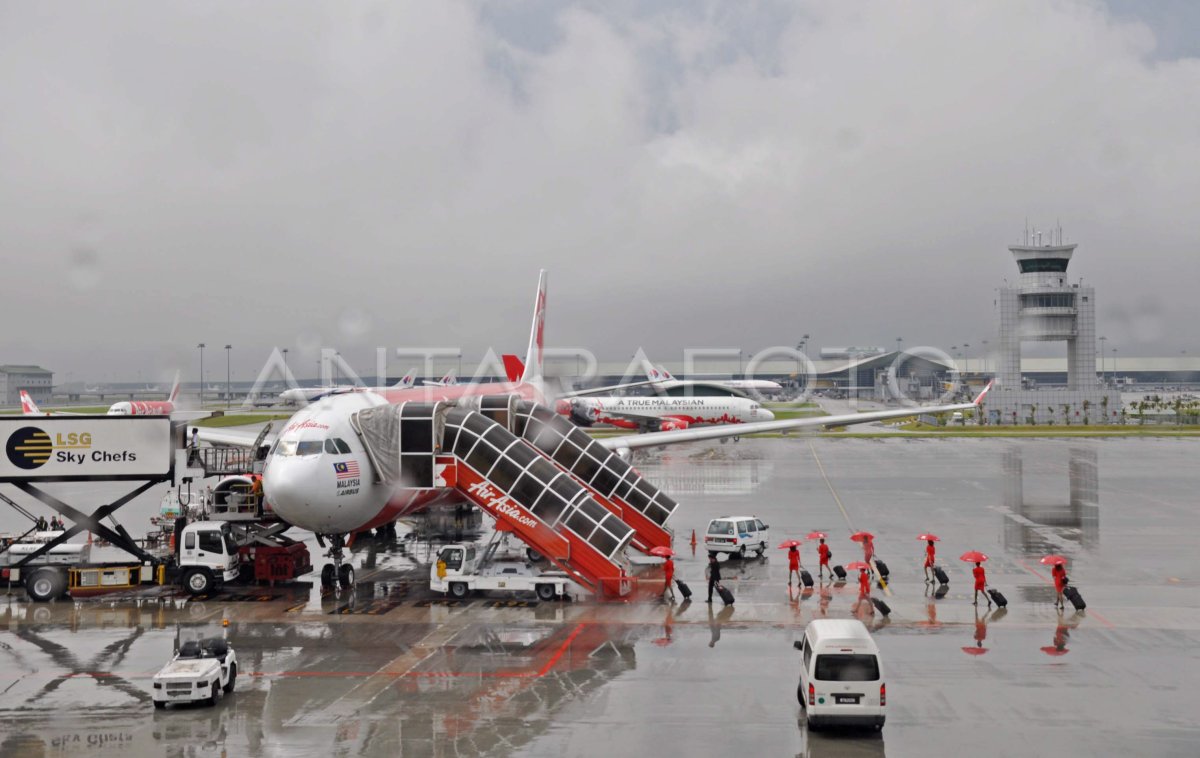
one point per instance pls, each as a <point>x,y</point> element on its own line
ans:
<point>691,173</point>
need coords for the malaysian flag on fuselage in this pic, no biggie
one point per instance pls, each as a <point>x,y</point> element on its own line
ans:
<point>346,470</point>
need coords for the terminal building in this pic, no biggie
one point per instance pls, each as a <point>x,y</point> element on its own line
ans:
<point>35,380</point>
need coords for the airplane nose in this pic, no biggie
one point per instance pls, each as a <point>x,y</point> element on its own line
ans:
<point>289,487</point>
<point>766,415</point>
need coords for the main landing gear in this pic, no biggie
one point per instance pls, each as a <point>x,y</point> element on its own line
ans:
<point>339,573</point>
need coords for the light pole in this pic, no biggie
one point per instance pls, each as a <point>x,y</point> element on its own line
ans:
<point>284,351</point>
<point>1115,376</point>
<point>899,340</point>
<point>228,376</point>
<point>201,346</point>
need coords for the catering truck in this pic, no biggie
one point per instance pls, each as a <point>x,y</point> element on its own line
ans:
<point>203,557</point>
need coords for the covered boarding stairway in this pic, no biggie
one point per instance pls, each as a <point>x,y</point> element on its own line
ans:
<point>563,493</point>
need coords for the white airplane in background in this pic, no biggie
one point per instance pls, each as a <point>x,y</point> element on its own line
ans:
<point>449,380</point>
<point>300,395</point>
<point>123,408</point>
<point>664,380</point>
<point>319,476</point>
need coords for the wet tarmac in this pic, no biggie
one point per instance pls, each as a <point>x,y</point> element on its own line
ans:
<point>392,670</point>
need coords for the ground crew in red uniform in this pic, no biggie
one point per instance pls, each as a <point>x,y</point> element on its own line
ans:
<point>1059,572</point>
<point>980,584</point>
<point>669,573</point>
<point>930,552</point>
<point>868,548</point>
<point>864,583</point>
<point>794,564</point>
<point>823,554</point>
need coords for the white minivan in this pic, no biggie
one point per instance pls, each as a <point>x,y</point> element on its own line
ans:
<point>736,535</point>
<point>841,677</point>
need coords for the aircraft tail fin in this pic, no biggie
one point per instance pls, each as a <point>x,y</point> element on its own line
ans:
<point>28,407</point>
<point>406,381</point>
<point>533,357</point>
<point>174,389</point>
<point>513,368</point>
<point>664,374</point>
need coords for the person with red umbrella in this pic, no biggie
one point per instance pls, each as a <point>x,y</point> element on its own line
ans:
<point>668,571</point>
<point>980,577</point>
<point>868,544</point>
<point>1059,572</point>
<point>930,554</point>
<point>794,562</point>
<point>823,553</point>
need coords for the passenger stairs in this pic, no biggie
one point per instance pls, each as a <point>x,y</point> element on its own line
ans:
<point>574,502</point>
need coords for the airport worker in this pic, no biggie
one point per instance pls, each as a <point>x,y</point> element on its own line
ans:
<point>868,544</point>
<point>794,564</point>
<point>930,554</point>
<point>441,568</point>
<point>1059,572</point>
<point>823,553</point>
<point>41,524</point>
<point>980,584</point>
<point>195,437</point>
<point>669,575</point>
<point>714,575</point>
<point>864,583</point>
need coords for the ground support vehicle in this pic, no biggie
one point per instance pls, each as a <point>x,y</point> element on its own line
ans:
<point>201,671</point>
<point>466,570</point>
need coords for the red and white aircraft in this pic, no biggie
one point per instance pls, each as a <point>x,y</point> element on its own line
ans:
<point>306,479</point>
<point>656,413</point>
<point>666,381</point>
<point>123,408</point>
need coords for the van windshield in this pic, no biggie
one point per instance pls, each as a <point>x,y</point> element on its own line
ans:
<point>720,527</point>
<point>846,667</point>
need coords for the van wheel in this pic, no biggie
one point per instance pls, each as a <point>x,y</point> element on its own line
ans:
<point>813,727</point>
<point>712,553</point>
<point>198,581</point>
<point>762,547</point>
<point>159,704</point>
<point>45,584</point>
<point>458,590</point>
<point>545,591</point>
<point>800,697</point>
<point>232,679</point>
<point>741,553</point>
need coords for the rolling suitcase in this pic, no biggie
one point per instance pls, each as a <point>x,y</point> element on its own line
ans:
<point>806,578</point>
<point>882,568</point>
<point>684,590</point>
<point>940,574</point>
<point>998,598</point>
<point>941,591</point>
<point>1072,594</point>
<point>841,572</point>
<point>726,595</point>
<point>881,606</point>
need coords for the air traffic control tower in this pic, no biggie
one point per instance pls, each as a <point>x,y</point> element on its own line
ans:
<point>1043,306</point>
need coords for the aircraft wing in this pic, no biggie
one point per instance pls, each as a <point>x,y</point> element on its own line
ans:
<point>658,439</point>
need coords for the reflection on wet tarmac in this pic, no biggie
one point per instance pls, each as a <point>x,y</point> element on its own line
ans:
<point>1037,524</point>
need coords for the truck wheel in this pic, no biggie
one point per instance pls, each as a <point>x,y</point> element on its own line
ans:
<point>216,694</point>
<point>45,584</point>
<point>544,591</point>
<point>534,556</point>
<point>232,679</point>
<point>458,590</point>
<point>159,704</point>
<point>198,581</point>
<point>327,575</point>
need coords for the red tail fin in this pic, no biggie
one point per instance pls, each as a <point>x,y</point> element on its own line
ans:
<point>513,367</point>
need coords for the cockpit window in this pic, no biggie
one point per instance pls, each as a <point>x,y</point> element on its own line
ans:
<point>310,447</point>
<point>330,447</point>
<point>285,447</point>
<point>342,447</point>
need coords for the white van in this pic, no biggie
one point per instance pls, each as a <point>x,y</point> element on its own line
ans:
<point>841,677</point>
<point>736,535</point>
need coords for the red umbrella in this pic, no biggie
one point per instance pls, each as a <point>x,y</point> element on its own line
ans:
<point>973,556</point>
<point>974,650</point>
<point>929,538</point>
<point>857,566</point>
<point>1052,650</point>
<point>788,544</point>
<point>860,536</point>
<point>1053,560</point>
<point>817,535</point>
<point>662,552</point>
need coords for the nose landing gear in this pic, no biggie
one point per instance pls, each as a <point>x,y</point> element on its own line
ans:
<point>339,573</point>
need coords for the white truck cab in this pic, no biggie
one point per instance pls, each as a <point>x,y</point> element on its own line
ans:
<point>208,556</point>
<point>202,670</point>
<point>841,676</point>
<point>737,535</point>
<point>464,575</point>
